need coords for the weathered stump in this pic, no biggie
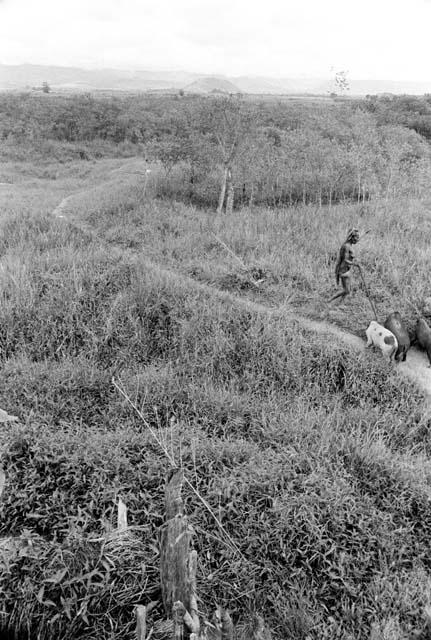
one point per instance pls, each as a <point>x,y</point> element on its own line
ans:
<point>175,550</point>
<point>178,566</point>
<point>178,563</point>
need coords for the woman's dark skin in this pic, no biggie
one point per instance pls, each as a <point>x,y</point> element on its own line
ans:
<point>346,260</point>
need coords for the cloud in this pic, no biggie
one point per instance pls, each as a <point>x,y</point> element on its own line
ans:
<point>222,36</point>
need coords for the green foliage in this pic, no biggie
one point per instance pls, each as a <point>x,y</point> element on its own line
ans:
<point>279,152</point>
<point>214,369</point>
<point>413,112</point>
<point>314,458</point>
<point>293,251</point>
<point>341,81</point>
<point>77,584</point>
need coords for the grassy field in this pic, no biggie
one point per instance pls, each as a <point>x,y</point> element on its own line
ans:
<point>316,459</point>
<point>292,250</point>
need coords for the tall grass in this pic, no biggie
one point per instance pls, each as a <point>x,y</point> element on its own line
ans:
<point>294,249</point>
<point>315,459</point>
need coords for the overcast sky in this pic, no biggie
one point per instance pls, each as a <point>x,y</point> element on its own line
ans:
<point>369,38</point>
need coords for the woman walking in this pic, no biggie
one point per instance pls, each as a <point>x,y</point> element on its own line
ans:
<point>346,261</point>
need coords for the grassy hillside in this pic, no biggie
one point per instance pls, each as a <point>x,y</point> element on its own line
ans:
<point>314,458</point>
<point>291,250</point>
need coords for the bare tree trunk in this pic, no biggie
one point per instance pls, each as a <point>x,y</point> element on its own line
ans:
<point>251,201</point>
<point>2,481</point>
<point>230,194</point>
<point>223,189</point>
<point>389,185</point>
<point>191,183</point>
<point>278,194</point>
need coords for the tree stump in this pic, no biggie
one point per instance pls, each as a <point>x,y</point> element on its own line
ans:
<point>175,548</point>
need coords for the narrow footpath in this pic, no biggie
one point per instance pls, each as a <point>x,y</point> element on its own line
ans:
<point>415,368</point>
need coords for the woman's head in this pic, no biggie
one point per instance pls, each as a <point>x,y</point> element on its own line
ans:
<point>353,235</point>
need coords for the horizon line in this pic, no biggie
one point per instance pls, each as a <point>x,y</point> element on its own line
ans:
<point>293,75</point>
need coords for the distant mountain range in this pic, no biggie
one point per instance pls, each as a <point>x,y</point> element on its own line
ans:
<point>28,76</point>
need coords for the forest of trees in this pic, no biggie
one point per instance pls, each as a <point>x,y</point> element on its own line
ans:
<point>229,151</point>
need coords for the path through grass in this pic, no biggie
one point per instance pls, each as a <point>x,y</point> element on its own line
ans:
<point>314,456</point>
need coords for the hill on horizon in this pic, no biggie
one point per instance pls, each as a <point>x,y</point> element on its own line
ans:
<point>211,84</point>
<point>29,76</point>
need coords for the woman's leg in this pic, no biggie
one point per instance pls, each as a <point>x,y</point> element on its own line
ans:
<point>347,288</point>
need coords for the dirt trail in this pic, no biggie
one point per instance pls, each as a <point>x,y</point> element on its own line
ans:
<point>59,209</point>
<point>415,368</point>
<point>129,168</point>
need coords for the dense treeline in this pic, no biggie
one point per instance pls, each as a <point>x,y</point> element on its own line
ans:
<point>413,112</point>
<point>234,151</point>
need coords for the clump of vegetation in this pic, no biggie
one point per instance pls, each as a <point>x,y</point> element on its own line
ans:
<point>289,253</point>
<point>235,152</point>
<point>267,420</point>
<point>315,458</point>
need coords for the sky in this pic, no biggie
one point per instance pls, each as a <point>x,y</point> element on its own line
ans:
<point>278,38</point>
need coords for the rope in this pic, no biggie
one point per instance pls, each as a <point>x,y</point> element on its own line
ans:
<point>367,292</point>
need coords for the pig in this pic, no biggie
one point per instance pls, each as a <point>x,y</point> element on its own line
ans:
<point>394,323</point>
<point>423,337</point>
<point>382,338</point>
